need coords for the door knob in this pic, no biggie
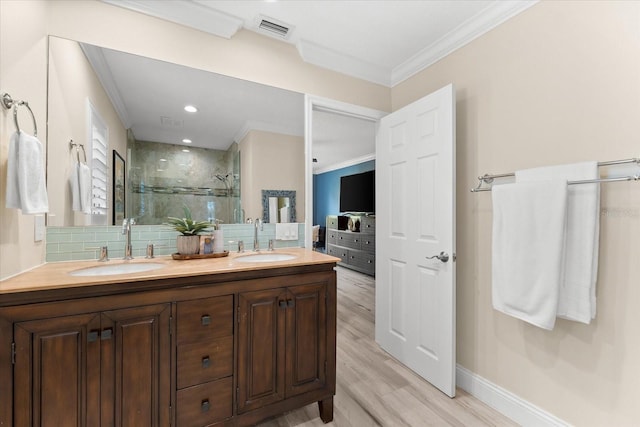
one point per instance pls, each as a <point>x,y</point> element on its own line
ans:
<point>443,256</point>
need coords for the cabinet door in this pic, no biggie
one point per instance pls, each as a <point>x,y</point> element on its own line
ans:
<point>57,372</point>
<point>136,370</point>
<point>306,338</point>
<point>261,348</point>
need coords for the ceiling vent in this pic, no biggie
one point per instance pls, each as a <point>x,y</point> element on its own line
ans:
<point>273,27</point>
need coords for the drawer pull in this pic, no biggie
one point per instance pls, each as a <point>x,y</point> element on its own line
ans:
<point>290,303</point>
<point>92,336</point>
<point>106,334</point>
<point>205,405</point>
<point>206,362</point>
<point>206,320</point>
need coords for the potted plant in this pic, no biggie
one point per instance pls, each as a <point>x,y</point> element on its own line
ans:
<point>188,243</point>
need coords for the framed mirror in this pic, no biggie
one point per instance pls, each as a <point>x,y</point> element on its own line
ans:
<point>278,206</point>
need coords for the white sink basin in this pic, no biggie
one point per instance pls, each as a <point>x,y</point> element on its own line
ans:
<point>109,269</point>
<point>269,257</point>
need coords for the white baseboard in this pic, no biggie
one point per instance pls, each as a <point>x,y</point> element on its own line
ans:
<point>505,402</point>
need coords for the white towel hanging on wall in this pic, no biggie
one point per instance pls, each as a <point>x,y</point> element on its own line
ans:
<point>26,185</point>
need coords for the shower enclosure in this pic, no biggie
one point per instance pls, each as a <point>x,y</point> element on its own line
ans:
<point>165,177</point>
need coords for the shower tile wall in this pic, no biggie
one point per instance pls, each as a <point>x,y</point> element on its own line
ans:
<point>164,178</point>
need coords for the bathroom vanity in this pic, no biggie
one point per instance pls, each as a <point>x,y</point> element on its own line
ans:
<point>192,343</point>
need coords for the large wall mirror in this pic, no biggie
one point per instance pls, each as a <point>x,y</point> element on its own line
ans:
<point>213,160</point>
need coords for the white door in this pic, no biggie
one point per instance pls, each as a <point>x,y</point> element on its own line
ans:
<point>415,219</point>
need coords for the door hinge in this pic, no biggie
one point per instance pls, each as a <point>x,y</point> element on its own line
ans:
<point>13,353</point>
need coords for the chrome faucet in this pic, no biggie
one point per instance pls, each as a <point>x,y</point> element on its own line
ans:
<point>256,243</point>
<point>126,229</point>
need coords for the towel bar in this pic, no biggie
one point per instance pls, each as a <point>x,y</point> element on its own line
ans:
<point>489,178</point>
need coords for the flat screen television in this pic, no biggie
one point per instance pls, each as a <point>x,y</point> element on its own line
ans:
<point>358,193</point>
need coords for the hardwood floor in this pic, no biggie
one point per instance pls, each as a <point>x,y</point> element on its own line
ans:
<point>375,390</point>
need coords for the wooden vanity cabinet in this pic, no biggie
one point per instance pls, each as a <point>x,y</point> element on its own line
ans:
<point>103,368</point>
<point>211,350</point>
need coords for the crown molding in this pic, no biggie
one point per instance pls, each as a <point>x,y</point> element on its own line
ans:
<point>345,164</point>
<point>483,22</point>
<point>95,56</point>
<point>191,13</point>
<point>345,64</point>
<point>263,127</point>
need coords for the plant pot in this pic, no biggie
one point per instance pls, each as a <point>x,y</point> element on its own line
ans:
<point>188,245</point>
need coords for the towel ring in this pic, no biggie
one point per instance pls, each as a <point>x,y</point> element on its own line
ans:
<point>8,102</point>
<point>78,146</point>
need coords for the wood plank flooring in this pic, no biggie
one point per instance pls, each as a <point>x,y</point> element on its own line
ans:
<point>373,389</point>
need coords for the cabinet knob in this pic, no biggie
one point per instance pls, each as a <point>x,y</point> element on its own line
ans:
<point>282,304</point>
<point>92,336</point>
<point>205,320</point>
<point>106,334</point>
<point>205,405</point>
<point>206,362</point>
<point>290,303</point>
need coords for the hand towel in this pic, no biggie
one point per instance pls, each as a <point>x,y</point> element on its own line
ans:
<point>578,288</point>
<point>273,209</point>
<point>26,186</point>
<point>287,231</point>
<point>80,180</point>
<point>284,214</point>
<point>528,245</point>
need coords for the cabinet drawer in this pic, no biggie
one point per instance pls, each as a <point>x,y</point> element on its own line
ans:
<point>205,404</point>
<point>203,362</point>
<point>205,319</point>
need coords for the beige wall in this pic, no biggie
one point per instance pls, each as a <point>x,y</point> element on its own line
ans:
<point>23,74</point>
<point>72,82</point>
<point>271,161</point>
<point>559,83</point>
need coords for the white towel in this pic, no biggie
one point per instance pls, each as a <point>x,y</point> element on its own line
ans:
<point>26,186</point>
<point>287,231</point>
<point>273,209</point>
<point>528,244</point>
<point>284,214</point>
<point>577,300</point>
<point>80,180</point>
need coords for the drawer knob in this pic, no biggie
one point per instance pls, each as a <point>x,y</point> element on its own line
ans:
<point>206,362</point>
<point>106,334</point>
<point>92,336</point>
<point>206,320</point>
<point>205,405</point>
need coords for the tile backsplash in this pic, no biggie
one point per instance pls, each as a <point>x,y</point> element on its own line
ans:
<point>83,243</point>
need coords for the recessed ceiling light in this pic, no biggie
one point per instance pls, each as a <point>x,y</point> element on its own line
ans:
<point>190,109</point>
<point>163,160</point>
<point>187,141</point>
<point>185,150</point>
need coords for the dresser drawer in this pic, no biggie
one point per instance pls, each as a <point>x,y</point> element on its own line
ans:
<point>350,240</point>
<point>332,222</point>
<point>362,260</point>
<point>205,404</point>
<point>205,319</point>
<point>332,237</point>
<point>369,243</point>
<point>367,224</point>
<point>341,253</point>
<point>206,361</point>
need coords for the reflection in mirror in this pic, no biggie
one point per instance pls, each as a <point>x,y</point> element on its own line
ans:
<point>141,101</point>
<point>278,206</point>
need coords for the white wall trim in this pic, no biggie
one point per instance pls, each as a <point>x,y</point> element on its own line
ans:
<point>505,402</point>
<point>264,127</point>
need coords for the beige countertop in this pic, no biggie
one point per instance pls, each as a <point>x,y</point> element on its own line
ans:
<point>56,275</point>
